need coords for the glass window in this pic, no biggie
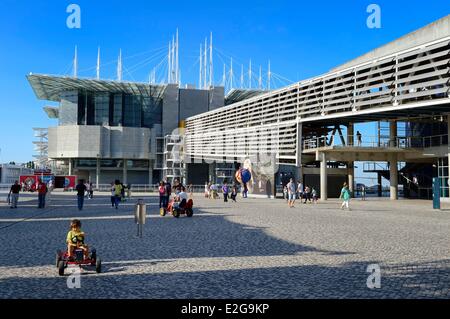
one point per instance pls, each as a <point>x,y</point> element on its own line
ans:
<point>117,111</point>
<point>102,109</point>
<point>132,109</point>
<point>152,111</point>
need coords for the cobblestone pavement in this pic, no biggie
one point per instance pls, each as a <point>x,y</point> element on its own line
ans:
<point>256,248</point>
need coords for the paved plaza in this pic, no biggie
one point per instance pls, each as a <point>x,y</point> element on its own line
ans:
<point>256,248</point>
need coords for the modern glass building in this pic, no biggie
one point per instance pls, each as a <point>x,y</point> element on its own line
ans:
<point>111,130</point>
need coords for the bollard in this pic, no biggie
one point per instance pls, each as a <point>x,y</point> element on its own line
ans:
<point>140,214</point>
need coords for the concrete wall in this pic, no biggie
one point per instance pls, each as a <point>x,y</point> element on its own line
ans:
<point>88,141</point>
<point>434,31</point>
<point>170,116</point>
<point>193,102</point>
<point>216,97</point>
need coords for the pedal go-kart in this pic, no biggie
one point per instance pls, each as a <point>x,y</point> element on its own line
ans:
<point>176,212</point>
<point>63,260</point>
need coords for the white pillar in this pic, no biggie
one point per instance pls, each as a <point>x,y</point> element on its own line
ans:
<point>323,177</point>
<point>97,174</point>
<point>70,167</point>
<point>351,176</point>
<point>393,170</point>
<point>392,134</point>
<point>150,172</point>
<point>125,176</point>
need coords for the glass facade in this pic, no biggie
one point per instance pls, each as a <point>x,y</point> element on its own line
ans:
<point>101,109</point>
<point>132,111</point>
<point>116,109</point>
<point>443,176</point>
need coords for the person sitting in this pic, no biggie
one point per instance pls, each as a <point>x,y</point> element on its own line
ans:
<point>181,198</point>
<point>75,239</point>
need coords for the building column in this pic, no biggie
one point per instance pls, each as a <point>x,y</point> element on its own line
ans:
<point>392,134</point>
<point>97,174</point>
<point>351,176</point>
<point>150,172</point>
<point>393,176</point>
<point>350,134</point>
<point>70,167</point>
<point>125,176</point>
<point>380,186</point>
<point>323,177</point>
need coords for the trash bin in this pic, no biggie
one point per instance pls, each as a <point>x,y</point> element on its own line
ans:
<point>140,212</point>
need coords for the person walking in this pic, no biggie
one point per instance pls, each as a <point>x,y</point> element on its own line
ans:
<point>14,194</point>
<point>363,192</point>
<point>81,189</point>
<point>245,191</point>
<point>225,191</point>
<point>300,190</point>
<point>345,196</point>
<point>292,189</point>
<point>162,195</point>
<point>234,193</point>
<point>117,193</point>
<point>314,195</point>
<point>42,192</point>
<point>206,190</point>
<point>113,195</point>
<point>168,187</point>
<point>91,191</point>
<point>307,194</point>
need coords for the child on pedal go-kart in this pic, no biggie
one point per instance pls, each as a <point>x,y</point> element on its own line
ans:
<point>75,239</point>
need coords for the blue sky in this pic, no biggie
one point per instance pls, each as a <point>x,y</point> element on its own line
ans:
<point>301,38</point>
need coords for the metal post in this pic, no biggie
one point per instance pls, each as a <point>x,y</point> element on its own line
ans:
<point>351,175</point>
<point>323,177</point>
<point>97,175</point>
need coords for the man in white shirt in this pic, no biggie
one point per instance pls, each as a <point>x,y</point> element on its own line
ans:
<point>182,198</point>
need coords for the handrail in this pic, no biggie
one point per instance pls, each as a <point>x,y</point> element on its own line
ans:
<point>376,142</point>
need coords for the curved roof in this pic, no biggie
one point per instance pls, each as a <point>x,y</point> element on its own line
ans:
<point>50,87</point>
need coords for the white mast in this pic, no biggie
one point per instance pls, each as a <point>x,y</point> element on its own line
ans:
<point>177,69</point>
<point>211,69</point>
<point>174,80</point>
<point>268,77</point>
<point>169,72</point>
<point>224,79</point>
<point>98,64</point>
<point>200,75</point>
<point>260,78</point>
<point>242,76</point>
<point>75,63</point>
<point>205,61</point>
<point>250,74</point>
<point>231,74</point>
<point>119,67</point>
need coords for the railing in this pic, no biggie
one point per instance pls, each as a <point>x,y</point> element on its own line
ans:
<point>376,142</point>
<point>376,166</point>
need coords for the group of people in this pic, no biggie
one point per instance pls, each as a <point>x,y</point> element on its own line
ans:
<point>165,191</point>
<point>212,191</point>
<point>293,191</point>
<point>14,193</point>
